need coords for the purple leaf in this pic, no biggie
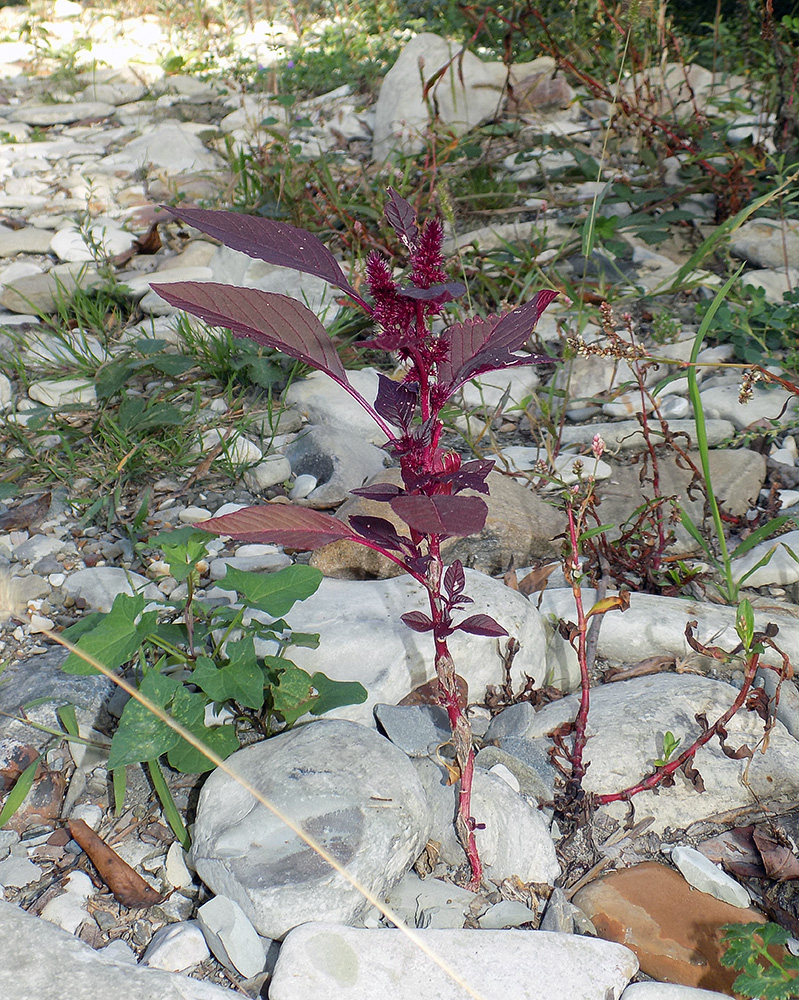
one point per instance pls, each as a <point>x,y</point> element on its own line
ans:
<point>471,476</point>
<point>441,515</point>
<point>454,579</point>
<point>401,216</point>
<point>283,524</point>
<point>269,318</point>
<point>435,293</point>
<point>481,625</point>
<point>417,621</point>
<point>380,531</point>
<point>275,242</point>
<point>395,401</point>
<point>381,492</point>
<point>483,345</point>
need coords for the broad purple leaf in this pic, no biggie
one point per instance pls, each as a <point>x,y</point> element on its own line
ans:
<point>380,531</point>
<point>275,242</point>
<point>267,317</point>
<point>401,216</point>
<point>395,402</point>
<point>381,492</point>
<point>454,579</point>
<point>482,345</point>
<point>435,293</point>
<point>481,625</point>
<point>281,524</point>
<point>471,476</point>
<point>417,621</point>
<point>441,515</point>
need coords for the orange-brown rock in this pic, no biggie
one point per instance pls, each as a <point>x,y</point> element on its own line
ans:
<point>541,92</point>
<point>674,930</point>
<point>520,526</point>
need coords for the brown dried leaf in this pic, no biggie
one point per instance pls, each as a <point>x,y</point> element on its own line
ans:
<point>736,850</point>
<point>693,776</point>
<point>25,515</point>
<point>778,860</point>
<point>429,693</point>
<point>128,887</point>
<point>651,665</point>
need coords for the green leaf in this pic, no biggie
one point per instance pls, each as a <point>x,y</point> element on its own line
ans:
<point>19,792</point>
<point>173,364</point>
<point>115,639</point>
<point>294,694</point>
<point>141,736</point>
<point>181,555</point>
<point>7,491</point>
<point>274,593</point>
<point>68,719</point>
<point>745,624</point>
<point>596,530</point>
<point>693,531</point>
<point>184,757</point>
<point>241,680</point>
<point>171,814</point>
<point>759,535</point>
<point>334,694</point>
<point>119,780</point>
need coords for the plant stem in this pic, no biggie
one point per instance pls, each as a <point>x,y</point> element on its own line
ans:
<point>580,723</point>
<point>459,723</point>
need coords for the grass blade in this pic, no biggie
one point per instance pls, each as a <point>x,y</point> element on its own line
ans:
<point>19,792</point>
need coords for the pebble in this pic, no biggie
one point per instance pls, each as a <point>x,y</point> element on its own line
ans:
<point>702,874</point>
<point>177,947</point>
<point>68,910</point>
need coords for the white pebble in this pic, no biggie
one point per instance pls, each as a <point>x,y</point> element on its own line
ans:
<point>303,485</point>
<point>56,579</point>
<point>191,514</point>
<point>176,948</point>
<point>41,624</point>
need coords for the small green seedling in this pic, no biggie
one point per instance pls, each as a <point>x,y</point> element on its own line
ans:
<point>670,744</point>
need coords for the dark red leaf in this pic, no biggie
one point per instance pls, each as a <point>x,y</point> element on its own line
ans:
<point>378,530</point>
<point>482,345</point>
<point>381,492</point>
<point>454,579</point>
<point>441,515</point>
<point>417,621</point>
<point>269,318</point>
<point>481,625</point>
<point>435,293</point>
<point>401,216</point>
<point>275,242</point>
<point>282,524</point>
<point>395,401</point>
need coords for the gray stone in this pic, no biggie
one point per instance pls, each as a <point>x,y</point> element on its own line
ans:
<point>328,960</point>
<point>507,913</point>
<point>28,240</point>
<point>172,146</point>
<point>395,660</point>
<point>559,916</point>
<point>669,991</point>
<point>322,401</point>
<point>512,721</point>
<point>431,902</point>
<point>780,569</point>
<point>99,586</point>
<point>467,93</point>
<point>415,729</point>
<point>775,283</point>
<point>347,787</point>
<point>702,874</point>
<point>627,434</point>
<point>73,245</point>
<point>768,243</point>
<point>38,546</point>
<point>527,760</point>
<point>655,625</point>
<point>41,292</point>
<point>626,724</point>
<point>16,873</point>
<point>339,460</point>
<point>44,958</point>
<point>176,947</point>
<point>512,385</point>
<point>771,403</point>
<point>231,936</point>
<point>264,562</point>
<point>63,392</point>
<point>60,114</point>
<point>273,470</point>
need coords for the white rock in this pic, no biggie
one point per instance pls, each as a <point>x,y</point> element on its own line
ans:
<point>305,484</point>
<point>236,449</point>
<point>265,562</point>
<point>273,470</point>
<point>321,960</point>
<point>722,402</point>
<point>15,873</point>
<point>72,245</point>
<point>171,146</point>
<point>99,585</point>
<point>68,910</point>
<point>507,913</point>
<point>398,660</point>
<point>775,282</point>
<point>231,936</point>
<point>190,515</point>
<point>323,401</point>
<point>346,786</point>
<point>91,815</point>
<point>668,991</point>
<point>486,392</point>
<point>63,392</point>
<point>626,724</point>
<point>782,568</point>
<point>6,392</point>
<point>177,947</point>
<point>176,869</point>
<point>702,874</point>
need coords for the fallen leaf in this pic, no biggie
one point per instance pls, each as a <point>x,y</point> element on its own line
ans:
<point>25,515</point>
<point>128,887</point>
<point>430,693</point>
<point>778,860</point>
<point>536,579</point>
<point>651,665</point>
<point>735,849</point>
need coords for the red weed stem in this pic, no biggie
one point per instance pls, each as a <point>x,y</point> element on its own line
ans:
<point>578,767</point>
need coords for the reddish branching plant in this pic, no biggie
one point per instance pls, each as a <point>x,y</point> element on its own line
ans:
<point>430,502</point>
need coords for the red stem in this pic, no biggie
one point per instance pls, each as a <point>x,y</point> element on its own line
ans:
<point>580,723</point>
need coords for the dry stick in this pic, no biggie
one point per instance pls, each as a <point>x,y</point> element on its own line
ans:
<point>315,846</point>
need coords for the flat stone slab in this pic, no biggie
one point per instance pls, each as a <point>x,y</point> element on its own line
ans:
<point>345,963</point>
<point>40,960</point>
